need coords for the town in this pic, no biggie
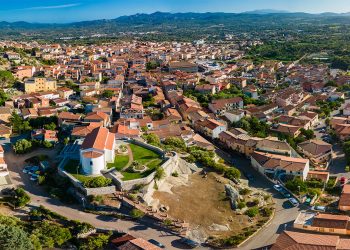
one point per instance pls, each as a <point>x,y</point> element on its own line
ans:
<point>169,144</point>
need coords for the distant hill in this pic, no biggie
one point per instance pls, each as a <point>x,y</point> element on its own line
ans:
<point>172,25</point>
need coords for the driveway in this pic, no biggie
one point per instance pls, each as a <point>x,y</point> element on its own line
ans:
<point>145,228</point>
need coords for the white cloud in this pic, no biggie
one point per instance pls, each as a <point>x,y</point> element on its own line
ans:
<point>52,7</point>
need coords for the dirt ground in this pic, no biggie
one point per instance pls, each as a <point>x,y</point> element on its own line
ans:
<point>202,203</point>
<point>5,210</point>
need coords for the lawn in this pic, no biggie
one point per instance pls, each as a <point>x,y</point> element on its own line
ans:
<point>120,161</point>
<point>146,157</point>
<point>72,168</point>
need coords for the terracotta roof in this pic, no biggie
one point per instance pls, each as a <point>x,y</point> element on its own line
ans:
<point>299,241</point>
<point>96,116</point>
<point>92,154</point>
<point>315,147</point>
<point>100,138</point>
<point>331,221</point>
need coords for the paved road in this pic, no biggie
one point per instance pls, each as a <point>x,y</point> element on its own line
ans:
<point>285,213</point>
<point>144,229</point>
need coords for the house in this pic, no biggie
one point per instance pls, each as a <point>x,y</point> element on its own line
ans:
<point>39,84</point>
<point>183,66</point>
<point>22,72</point>
<point>124,131</point>
<point>323,223</point>
<point>138,244</point>
<point>205,88</point>
<point>5,114</point>
<point>290,130</point>
<point>274,146</point>
<point>346,110</point>
<point>220,106</point>
<point>344,201</point>
<point>5,131</point>
<point>290,240</point>
<point>318,151</point>
<point>68,117</point>
<point>98,116</point>
<point>199,141</point>
<point>44,135</point>
<point>65,93</point>
<point>97,150</point>
<point>83,131</point>
<point>318,175</point>
<point>210,127</point>
<point>274,164</point>
<point>234,115</point>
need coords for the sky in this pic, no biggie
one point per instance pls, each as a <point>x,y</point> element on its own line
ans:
<point>63,11</point>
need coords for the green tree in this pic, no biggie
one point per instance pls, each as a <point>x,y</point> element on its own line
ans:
<point>96,242</point>
<point>18,124</point>
<point>159,173</point>
<point>66,140</point>
<point>6,79</point>
<point>47,144</point>
<point>51,234</point>
<point>136,213</point>
<point>175,143</point>
<point>232,173</point>
<point>22,146</point>
<point>21,198</point>
<point>13,237</point>
<point>152,139</point>
<point>308,133</point>
<point>50,126</point>
<point>108,94</point>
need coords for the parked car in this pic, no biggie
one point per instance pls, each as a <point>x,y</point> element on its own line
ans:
<point>319,208</point>
<point>293,201</point>
<point>278,188</point>
<point>26,169</point>
<point>189,242</point>
<point>156,243</point>
<point>286,194</point>
<point>34,177</point>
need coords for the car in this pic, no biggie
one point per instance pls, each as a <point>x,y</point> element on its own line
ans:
<point>293,201</point>
<point>318,208</point>
<point>189,242</point>
<point>27,169</point>
<point>343,180</point>
<point>322,131</point>
<point>156,243</point>
<point>278,188</point>
<point>34,177</point>
<point>33,170</point>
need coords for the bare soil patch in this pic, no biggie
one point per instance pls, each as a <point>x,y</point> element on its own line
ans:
<point>203,204</point>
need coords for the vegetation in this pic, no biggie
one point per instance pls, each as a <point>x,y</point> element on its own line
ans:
<point>119,163</point>
<point>252,212</point>
<point>22,146</point>
<point>6,79</point>
<point>136,213</point>
<point>253,126</point>
<point>97,182</point>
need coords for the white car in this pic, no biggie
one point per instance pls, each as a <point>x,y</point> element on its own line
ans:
<point>294,202</point>
<point>319,208</point>
<point>278,188</point>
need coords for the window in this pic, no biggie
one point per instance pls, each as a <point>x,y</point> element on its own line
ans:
<point>91,163</point>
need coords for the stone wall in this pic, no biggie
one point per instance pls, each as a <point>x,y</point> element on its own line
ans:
<point>78,185</point>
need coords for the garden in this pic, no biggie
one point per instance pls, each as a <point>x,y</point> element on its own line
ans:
<point>144,162</point>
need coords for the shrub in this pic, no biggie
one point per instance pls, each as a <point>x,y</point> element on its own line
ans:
<point>21,198</point>
<point>232,173</point>
<point>159,173</point>
<point>47,144</point>
<point>266,211</point>
<point>175,174</point>
<point>136,213</point>
<point>252,212</point>
<point>97,182</point>
<point>241,205</point>
<point>245,191</point>
<point>22,146</point>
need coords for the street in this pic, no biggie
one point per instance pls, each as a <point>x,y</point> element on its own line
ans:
<point>145,228</point>
<point>285,213</point>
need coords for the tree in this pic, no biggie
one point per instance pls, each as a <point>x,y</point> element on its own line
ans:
<point>50,126</point>
<point>308,133</point>
<point>20,198</point>
<point>51,234</point>
<point>159,173</point>
<point>6,79</point>
<point>152,139</point>
<point>175,143</point>
<point>108,94</point>
<point>136,213</point>
<point>22,146</point>
<point>3,97</point>
<point>47,144</point>
<point>13,237</point>
<point>66,140</point>
<point>18,124</point>
<point>96,242</point>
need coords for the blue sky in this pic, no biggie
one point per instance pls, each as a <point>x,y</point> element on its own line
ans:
<point>61,11</point>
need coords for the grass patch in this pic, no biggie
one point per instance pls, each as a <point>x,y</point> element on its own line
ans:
<point>120,162</point>
<point>145,157</point>
<point>72,167</point>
